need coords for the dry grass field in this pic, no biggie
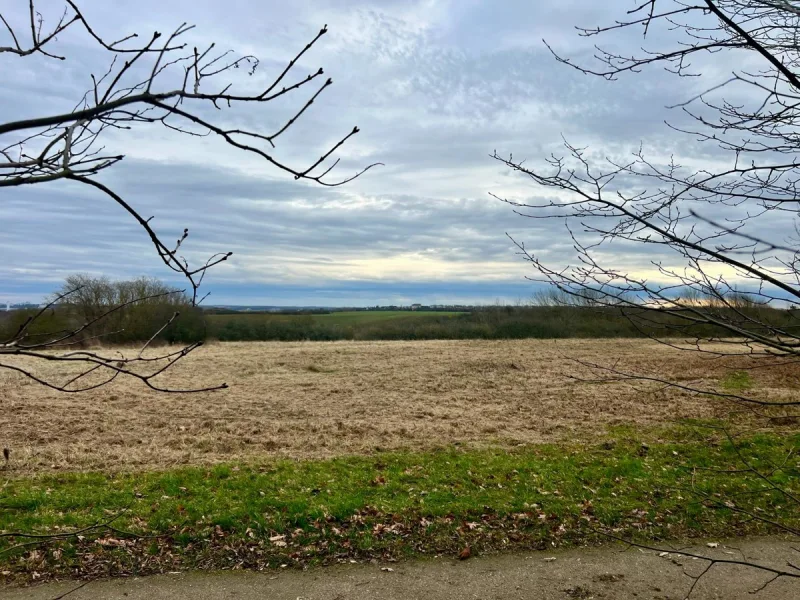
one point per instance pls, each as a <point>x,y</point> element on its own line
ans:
<point>324,399</point>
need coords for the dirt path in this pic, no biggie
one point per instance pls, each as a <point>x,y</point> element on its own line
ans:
<point>582,573</point>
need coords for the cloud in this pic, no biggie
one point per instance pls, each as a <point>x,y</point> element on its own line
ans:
<point>435,86</point>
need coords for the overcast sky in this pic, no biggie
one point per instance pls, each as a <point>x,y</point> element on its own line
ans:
<point>435,86</point>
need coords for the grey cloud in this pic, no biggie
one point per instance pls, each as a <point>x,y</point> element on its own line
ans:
<point>435,87</point>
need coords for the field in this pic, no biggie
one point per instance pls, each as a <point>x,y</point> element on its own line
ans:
<point>318,400</point>
<point>346,317</point>
<point>334,318</point>
<point>350,451</point>
<point>340,325</point>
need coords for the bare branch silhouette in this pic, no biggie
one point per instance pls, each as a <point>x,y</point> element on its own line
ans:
<point>151,81</point>
<point>719,273</point>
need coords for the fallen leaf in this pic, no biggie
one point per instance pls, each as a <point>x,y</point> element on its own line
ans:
<point>465,553</point>
<point>387,569</point>
<point>111,542</point>
<point>550,559</point>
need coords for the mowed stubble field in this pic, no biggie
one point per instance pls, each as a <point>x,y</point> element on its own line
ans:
<point>323,399</point>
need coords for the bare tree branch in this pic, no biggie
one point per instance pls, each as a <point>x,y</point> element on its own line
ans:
<point>160,81</point>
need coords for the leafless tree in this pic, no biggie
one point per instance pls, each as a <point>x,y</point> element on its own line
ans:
<point>722,263</point>
<point>158,80</point>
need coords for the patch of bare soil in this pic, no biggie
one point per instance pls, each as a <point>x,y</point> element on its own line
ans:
<point>318,399</point>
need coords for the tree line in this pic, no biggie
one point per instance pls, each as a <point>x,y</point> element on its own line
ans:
<point>112,312</point>
<point>133,311</point>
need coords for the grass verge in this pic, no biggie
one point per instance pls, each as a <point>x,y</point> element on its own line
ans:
<point>288,513</point>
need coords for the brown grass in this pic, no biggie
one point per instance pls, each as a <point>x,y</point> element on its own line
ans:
<point>324,399</point>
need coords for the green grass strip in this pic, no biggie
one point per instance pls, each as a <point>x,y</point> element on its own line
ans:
<point>394,505</point>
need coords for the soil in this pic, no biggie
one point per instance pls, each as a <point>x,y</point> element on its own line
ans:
<point>323,399</point>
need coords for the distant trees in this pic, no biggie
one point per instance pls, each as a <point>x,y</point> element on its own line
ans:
<point>148,304</point>
<point>106,311</point>
<point>556,297</point>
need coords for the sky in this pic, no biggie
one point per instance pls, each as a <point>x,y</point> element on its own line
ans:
<point>435,87</point>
